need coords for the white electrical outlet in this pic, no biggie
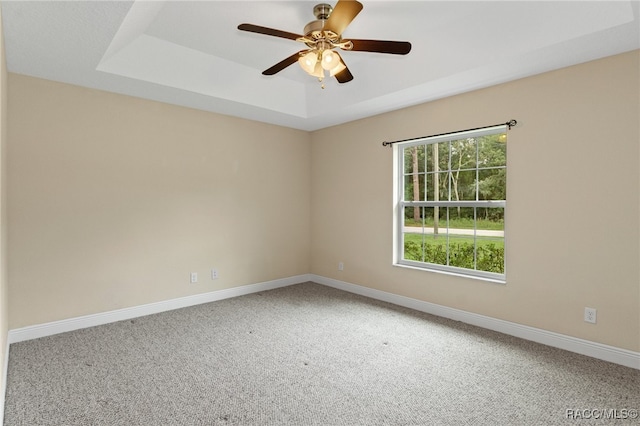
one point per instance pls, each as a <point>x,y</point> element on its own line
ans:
<point>214,274</point>
<point>194,277</point>
<point>340,266</point>
<point>590,315</point>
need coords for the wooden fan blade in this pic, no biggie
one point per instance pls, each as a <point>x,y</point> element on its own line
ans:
<point>342,15</point>
<point>382,46</point>
<point>283,64</point>
<point>268,31</point>
<point>344,76</point>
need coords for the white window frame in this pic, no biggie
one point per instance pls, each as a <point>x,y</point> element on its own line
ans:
<point>400,204</point>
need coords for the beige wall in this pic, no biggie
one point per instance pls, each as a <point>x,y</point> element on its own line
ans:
<point>573,190</point>
<point>4,303</point>
<point>114,200</point>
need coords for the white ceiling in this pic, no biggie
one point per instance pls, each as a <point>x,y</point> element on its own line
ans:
<point>190,53</point>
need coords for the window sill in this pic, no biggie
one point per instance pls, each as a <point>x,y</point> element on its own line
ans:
<point>450,273</point>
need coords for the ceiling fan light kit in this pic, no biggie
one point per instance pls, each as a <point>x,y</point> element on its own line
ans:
<point>322,37</point>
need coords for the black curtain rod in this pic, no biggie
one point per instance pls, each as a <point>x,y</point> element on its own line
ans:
<point>509,124</point>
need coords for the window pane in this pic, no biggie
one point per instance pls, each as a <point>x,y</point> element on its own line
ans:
<point>492,150</point>
<point>492,184</point>
<point>462,251</point>
<point>414,159</point>
<point>414,187</point>
<point>408,188</point>
<point>463,154</point>
<point>435,250</point>
<point>413,231</point>
<point>413,217</point>
<point>491,219</point>
<point>428,157</point>
<point>464,185</point>
<point>421,158</point>
<point>436,189</point>
<point>490,240</point>
<point>408,163</point>
<point>443,157</point>
<point>441,182</point>
<point>435,235</point>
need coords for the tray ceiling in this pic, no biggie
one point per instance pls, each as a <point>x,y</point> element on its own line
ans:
<point>190,53</point>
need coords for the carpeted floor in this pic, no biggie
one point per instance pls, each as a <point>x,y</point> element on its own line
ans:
<point>308,355</point>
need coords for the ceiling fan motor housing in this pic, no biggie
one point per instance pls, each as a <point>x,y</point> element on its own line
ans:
<point>315,29</point>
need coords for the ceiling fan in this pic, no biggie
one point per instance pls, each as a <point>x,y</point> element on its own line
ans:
<point>322,37</point>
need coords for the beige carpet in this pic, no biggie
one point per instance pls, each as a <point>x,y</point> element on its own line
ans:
<point>308,355</point>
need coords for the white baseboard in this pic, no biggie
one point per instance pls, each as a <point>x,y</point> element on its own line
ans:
<point>595,350</point>
<point>573,344</point>
<point>62,326</point>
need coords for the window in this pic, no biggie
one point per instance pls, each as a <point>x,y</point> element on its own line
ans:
<point>450,202</point>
